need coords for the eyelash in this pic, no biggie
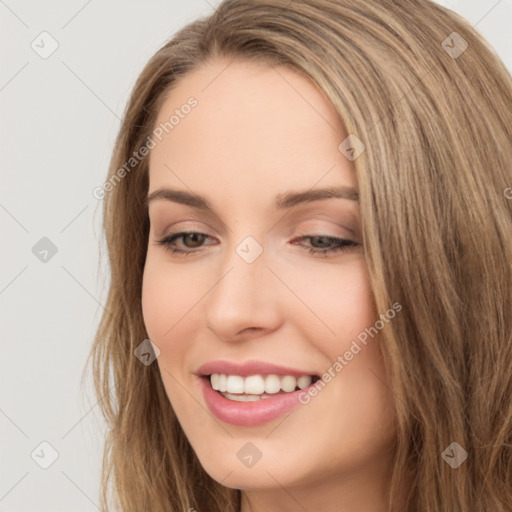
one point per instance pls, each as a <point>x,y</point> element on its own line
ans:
<point>343,244</point>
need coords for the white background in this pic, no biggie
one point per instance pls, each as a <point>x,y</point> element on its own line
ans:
<point>60,116</point>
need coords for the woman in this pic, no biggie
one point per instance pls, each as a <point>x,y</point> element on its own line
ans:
<point>308,214</point>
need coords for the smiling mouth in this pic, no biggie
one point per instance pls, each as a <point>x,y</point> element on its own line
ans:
<point>257,387</point>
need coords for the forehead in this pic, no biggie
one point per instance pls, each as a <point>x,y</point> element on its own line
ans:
<point>253,126</point>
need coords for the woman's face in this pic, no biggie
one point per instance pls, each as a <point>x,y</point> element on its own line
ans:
<point>264,299</point>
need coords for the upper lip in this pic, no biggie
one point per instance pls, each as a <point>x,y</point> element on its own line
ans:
<point>249,368</point>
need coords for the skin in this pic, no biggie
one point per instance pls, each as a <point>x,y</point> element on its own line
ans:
<point>258,132</point>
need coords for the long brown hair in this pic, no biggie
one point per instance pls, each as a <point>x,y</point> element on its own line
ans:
<point>432,102</point>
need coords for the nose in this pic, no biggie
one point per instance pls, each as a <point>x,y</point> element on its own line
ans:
<point>244,301</point>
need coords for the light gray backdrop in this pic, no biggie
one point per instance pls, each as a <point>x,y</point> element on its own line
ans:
<point>66,72</point>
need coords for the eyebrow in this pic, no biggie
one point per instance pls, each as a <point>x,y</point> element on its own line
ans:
<point>282,201</point>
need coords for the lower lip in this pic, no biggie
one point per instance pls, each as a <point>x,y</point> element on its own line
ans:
<point>249,414</point>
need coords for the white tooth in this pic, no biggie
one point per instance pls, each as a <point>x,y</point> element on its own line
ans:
<point>222,383</point>
<point>254,385</point>
<point>288,383</point>
<point>272,384</point>
<point>304,381</point>
<point>241,398</point>
<point>235,384</point>
<point>214,379</point>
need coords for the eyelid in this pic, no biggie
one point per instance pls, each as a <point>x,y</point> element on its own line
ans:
<point>346,218</point>
<point>185,226</point>
<point>165,214</point>
<point>333,229</point>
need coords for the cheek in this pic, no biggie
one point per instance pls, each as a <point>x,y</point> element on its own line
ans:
<point>332,303</point>
<point>168,297</point>
<point>339,300</point>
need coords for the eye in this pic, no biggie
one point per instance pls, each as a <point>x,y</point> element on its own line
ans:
<point>326,245</point>
<point>191,240</point>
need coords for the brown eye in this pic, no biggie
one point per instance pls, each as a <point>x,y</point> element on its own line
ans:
<point>191,242</point>
<point>196,239</point>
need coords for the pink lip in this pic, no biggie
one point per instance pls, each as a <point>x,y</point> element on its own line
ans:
<point>248,368</point>
<point>248,414</point>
